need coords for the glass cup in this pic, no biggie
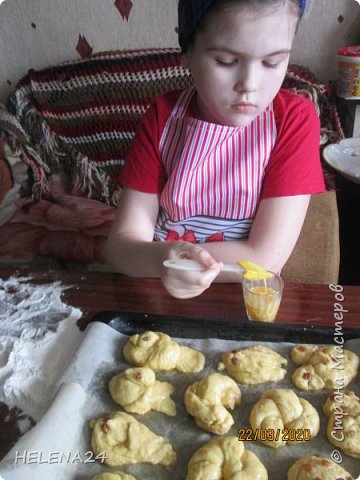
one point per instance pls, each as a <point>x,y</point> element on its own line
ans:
<point>262,298</point>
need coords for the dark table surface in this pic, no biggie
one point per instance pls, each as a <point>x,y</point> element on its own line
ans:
<point>98,291</point>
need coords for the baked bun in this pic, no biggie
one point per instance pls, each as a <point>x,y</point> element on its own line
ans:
<point>225,459</point>
<point>285,417</point>
<point>254,365</point>
<point>159,352</point>
<point>137,391</point>
<point>343,428</point>
<point>208,400</point>
<point>126,441</point>
<point>322,367</point>
<point>315,468</point>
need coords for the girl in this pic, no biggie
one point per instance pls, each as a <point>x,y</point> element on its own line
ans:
<point>223,170</point>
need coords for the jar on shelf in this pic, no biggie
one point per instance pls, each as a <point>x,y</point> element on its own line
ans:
<point>348,82</point>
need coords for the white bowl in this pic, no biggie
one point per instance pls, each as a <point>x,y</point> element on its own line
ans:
<point>344,157</point>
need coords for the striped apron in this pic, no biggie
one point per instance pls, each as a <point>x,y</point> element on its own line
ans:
<point>214,175</point>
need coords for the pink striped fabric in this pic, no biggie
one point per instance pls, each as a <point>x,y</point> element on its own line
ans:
<point>213,170</point>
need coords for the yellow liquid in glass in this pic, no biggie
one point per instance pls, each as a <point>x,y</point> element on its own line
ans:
<point>262,303</point>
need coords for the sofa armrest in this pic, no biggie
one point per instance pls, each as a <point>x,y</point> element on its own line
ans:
<point>316,256</point>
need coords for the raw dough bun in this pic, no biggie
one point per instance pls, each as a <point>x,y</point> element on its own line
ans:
<point>208,399</point>
<point>137,391</point>
<point>321,367</point>
<point>316,468</point>
<point>127,441</point>
<point>113,476</point>
<point>254,365</point>
<point>281,409</point>
<point>343,428</point>
<point>159,352</point>
<point>225,459</point>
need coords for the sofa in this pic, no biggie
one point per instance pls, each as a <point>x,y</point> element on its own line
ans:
<point>64,134</point>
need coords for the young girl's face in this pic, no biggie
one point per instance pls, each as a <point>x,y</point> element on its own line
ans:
<point>238,62</point>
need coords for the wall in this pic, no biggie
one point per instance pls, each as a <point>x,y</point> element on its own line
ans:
<point>37,33</point>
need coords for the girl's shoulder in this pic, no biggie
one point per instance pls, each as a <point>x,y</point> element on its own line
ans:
<point>293,107</point>
<point>289,101</point>
<point>158,109</point>
<point>162,107</point>
<point>167,100</point>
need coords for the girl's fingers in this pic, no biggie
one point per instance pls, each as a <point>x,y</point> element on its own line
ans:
<point>204,257</point>
<point>186,284</point>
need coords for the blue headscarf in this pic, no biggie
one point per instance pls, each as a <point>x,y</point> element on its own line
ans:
<point>190,12</point>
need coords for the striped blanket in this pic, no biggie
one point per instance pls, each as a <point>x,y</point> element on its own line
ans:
<point>80,116</point>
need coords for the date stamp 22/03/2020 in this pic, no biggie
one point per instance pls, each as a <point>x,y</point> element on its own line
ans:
<point>274,434</point>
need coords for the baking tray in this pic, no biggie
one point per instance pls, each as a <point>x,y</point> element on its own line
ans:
<point>83,395</point>
<point>129,323</point>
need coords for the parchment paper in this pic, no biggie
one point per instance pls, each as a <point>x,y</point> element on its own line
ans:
<point>84,395</point>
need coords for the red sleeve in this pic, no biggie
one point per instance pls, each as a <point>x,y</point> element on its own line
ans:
<point>294,167</point>
<point>143,170</point>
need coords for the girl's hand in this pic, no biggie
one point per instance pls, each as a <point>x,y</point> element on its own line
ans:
<point>181,284</point>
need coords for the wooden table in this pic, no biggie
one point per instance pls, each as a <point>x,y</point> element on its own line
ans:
<point>93,292</point>
<point>301,303</point>
<point>309,305</point>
